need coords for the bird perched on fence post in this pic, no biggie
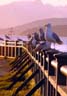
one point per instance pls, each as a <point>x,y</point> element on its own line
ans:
<point>34,40</point>
<point>43,44</point>
<point>41,34</point>
<point>51,36</point>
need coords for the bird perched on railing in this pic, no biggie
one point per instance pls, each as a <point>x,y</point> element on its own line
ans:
<point>41,34</point>
<point>1,39</point>
<point>35,39</point>
<point>7,37</point>
<point>36,36</point>
<point>51,36</point>
<point>43,44</point>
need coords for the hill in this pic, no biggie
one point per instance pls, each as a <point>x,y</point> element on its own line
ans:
<point>59,26</point>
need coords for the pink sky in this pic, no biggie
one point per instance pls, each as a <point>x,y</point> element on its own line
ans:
<point>19,13</point>
<point>52,2</point>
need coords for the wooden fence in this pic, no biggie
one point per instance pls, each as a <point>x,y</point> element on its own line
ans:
<point>49,69</point>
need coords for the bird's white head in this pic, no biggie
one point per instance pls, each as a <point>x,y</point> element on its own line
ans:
<point>48,25</point>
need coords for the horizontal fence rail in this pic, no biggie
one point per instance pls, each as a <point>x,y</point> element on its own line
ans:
<point>10,48</point>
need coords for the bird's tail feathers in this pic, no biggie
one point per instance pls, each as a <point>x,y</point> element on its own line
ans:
<point>60,42</point>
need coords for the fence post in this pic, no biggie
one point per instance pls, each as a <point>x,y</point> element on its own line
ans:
<point>5,48</point>
<point>15,47</point>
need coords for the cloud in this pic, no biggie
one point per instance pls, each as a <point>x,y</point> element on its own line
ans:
<point>3,2</point>
<point>55,2</point>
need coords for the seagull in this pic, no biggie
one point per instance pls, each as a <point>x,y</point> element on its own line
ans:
<point>36,36</point>
<point>43,44</point>
<point>1,39</point>
<point>52,36</point>
<point>34,40</point>
<point>41,34</point>
<point>19,39</point>
<point>7,37</point>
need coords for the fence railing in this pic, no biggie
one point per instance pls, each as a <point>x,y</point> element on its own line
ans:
<point>50,79</point>
<point>46,69</point>
<point>10,48</point>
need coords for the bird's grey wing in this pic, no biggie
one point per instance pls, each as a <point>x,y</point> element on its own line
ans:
<point>19,39</point>
<point>1,39</point>
<point>56,37</point>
